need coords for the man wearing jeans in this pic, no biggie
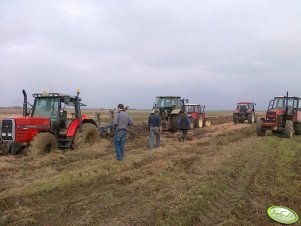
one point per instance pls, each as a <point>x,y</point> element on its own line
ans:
<point>154,124</point>
<point>121,121</point>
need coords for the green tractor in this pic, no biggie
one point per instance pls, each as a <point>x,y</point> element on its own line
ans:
<point>170,107</point>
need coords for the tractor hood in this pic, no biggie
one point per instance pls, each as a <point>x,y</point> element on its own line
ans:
<point>274,112</point>
<point>22,129</point>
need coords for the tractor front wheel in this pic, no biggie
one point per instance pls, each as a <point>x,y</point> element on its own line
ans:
<point>289,129</point>
<point>259,130</point>
<point>42,143</point>
<point>251,118</point>
<point>88,135</point>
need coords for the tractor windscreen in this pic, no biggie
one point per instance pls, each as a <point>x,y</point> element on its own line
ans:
<point>166,102</point>
<point>46,107</point>
<point>192,108</point>
<point>280,103</point>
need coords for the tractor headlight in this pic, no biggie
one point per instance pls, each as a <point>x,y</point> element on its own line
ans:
<point>9,134</point>
<point>3,134</point>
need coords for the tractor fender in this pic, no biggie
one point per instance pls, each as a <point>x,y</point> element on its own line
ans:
<point>236,111</point>
<point>175,111</point>
<point>249,111</point>
<point>74,125</point>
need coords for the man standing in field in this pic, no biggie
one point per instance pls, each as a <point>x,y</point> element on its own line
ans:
<point>183,126</point>
<point>154,124</point>
<point>121,121</point>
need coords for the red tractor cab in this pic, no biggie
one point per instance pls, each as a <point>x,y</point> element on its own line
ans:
<point>47,125</point>
<point>244,111</point>
<point>283,117</point>
<point>197,116</point>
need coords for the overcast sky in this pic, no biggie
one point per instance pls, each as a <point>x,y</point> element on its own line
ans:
<point>214,52</point>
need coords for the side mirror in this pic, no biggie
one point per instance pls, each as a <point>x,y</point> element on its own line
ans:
<point>186,101</point>
<point>204,106</point>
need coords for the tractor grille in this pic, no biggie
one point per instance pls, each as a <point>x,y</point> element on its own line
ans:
<point>271,116</point>
<point>8,130</point>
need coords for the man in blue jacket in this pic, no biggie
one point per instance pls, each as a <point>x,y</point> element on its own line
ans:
<point>121,121</point>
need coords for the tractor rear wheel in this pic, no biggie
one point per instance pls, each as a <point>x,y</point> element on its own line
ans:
<point>191,123</point>
<point>259,130</point>
<point>200,122</point>
<point>42,143</point>
<point>235,118</point>
<point>207,123</point>
<point>174,123</point>
<point>297,128</point>
<point>88,135</point>
<point>289,129</point>
<point>251,118</point>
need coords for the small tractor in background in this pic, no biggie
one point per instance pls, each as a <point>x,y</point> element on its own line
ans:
<point>170,107</point>
<point>197,116</point>
<point>244,111</point>
<point>282,117</point>
<point>47,127</point>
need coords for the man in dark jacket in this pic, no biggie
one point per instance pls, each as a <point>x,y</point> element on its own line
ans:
<point>121,121</point>
<point>183,126</point>
<point>154,124</point>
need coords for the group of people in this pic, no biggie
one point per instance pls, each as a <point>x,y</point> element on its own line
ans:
<point>121,121</point>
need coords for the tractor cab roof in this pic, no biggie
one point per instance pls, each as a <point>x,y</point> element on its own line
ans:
<point>168,97</point>
<point>288,97</point>
<point>246,102</point>
<point>192,104</point>
<point>65,98</point>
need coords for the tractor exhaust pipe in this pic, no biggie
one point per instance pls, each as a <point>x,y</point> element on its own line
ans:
<point>286,106</point>
<point>24,103</point>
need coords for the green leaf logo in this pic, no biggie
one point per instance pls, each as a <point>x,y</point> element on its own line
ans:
<point>282,214</point>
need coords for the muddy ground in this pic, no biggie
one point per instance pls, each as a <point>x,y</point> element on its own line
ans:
<point>223,175</point>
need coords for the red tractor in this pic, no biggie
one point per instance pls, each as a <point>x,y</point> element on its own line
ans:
<point>197,115</point>
<point>46,126</point>
<point>283,117</point>
<point>244,111</point>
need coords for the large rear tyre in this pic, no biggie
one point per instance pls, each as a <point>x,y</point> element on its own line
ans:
<point>259,130</point>
<point>191,123</point>
<point>297,128</point>
<point>174,123</point>
<point>207,123</point>
<point>251,118</point>
<point>235,118</point>
<point>87,136</point>
<point>289,129</point>
<point>200,122</point>
<point>42,143</point>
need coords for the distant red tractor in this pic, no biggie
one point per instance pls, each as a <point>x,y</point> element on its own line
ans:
<point>282,117</point>
<point>244,111</point>
<point>46,126</point>
<point>197,116</point>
